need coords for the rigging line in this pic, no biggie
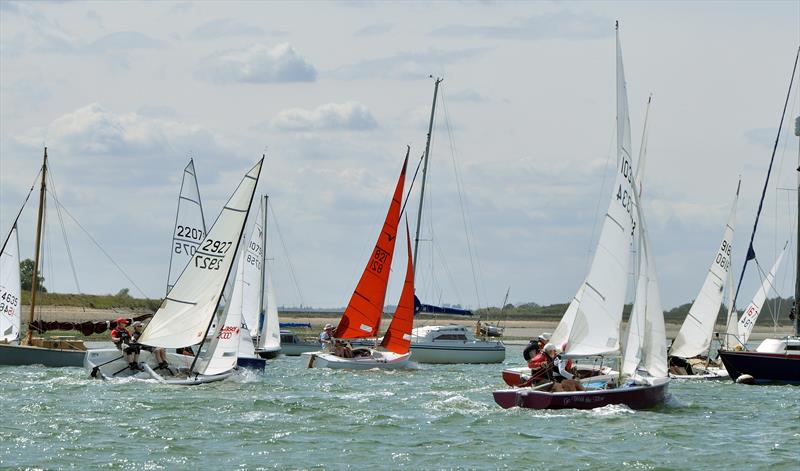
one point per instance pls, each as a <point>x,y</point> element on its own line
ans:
<point>53,193</point>
<point>467,226</point>
<point>97,244</point>
<point>413,179</point>
<point>750,251</point>
<point>19,213</point>
<point>292,274</point>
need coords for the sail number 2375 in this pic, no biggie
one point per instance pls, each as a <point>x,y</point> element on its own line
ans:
<point>208,257</point>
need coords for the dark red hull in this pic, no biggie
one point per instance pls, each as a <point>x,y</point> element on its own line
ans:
<point>763,367</point>
<point>636,397</point>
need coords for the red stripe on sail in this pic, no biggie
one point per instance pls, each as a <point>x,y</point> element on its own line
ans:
<point>363,314</point>
<point>398,336</point>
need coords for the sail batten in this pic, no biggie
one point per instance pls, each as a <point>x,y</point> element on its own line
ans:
<point>362,316</point>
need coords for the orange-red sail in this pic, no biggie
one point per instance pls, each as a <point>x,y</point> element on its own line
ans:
<point>363,314</point>
<point>398,336</point>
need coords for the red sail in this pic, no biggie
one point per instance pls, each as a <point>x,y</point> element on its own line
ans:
<point>363,314</point>
<point>398,336</point>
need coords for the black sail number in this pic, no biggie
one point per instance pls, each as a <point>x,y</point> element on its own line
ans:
<point>378,260</point>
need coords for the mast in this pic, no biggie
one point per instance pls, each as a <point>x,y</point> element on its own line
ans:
<point>436,83</point>
<point>261,307</point>
<point>797,247</point>
<point>34,282</point>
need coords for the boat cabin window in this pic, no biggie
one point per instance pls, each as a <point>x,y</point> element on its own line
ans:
<point>451,337</point>
<point>288,338</point>
<point>793,347</point>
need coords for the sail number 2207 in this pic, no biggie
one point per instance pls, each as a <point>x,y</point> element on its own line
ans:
<point>208,257</point>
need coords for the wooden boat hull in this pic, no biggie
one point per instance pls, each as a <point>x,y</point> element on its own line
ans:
<point>458,352</point>
<point>377,359</point>
<point>18,355</point>
<point>110,364</point>
<point>635,397</point>
<point>764,367</point>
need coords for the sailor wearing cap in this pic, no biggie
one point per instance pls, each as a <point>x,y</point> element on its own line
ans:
<point>326,337</point>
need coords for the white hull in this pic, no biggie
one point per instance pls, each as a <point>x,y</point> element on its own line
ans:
<point>458,352</point>
<point>711,373</point>
<point>110,363</point>
<point>297,349</point>
<point>376,359</point>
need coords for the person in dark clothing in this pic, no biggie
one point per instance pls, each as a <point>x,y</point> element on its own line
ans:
<point>160,354</point>
<point>123,341</point>
<point>557,372</point>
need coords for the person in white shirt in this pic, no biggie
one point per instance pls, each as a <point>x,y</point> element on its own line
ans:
<point>557,371</point>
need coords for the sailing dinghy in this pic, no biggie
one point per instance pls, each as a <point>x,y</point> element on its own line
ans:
<point>689,355</point>
<point>10,289</point>
<point>185,316</point>
<point>591,325</point>
<point>362,317</point>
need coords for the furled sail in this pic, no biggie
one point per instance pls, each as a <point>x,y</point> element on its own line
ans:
<point>694,338</point>
<point>594,327</point>
<point>362,316</point>
<point>10,288</point>
<point>398,335</point>
<point>186,313</point>
<point>749,316</point>
<point>190,225</point>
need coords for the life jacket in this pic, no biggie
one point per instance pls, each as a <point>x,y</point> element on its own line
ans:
<point>120,334</point>
<point>538,361</point>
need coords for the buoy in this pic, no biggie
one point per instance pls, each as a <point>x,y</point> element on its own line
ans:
<point>745,379</point>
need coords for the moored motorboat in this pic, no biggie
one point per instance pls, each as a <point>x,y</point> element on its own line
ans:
<point>453,344</point>
<point>292,345</point>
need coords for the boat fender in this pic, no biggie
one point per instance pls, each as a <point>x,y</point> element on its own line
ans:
<point>746,379</point>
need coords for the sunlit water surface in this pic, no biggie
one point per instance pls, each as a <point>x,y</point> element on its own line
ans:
<point>433,417</point>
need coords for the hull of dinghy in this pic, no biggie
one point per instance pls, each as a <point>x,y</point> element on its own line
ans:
<point>635,397</point>
<point>255,364</point>
<point>377,359</point>
<point>521,376</point>
<point>111,364</point>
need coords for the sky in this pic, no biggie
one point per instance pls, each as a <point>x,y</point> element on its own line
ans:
<point>124,93</point>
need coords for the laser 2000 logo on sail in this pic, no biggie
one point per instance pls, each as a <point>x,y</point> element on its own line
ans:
<point>211,254</point>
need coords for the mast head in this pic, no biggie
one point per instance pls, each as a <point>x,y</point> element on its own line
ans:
<point>616,25</point>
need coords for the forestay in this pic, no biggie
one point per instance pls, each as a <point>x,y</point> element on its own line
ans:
<point>749,316</point>
<point>694,338</point>
<point>10,289</point>
<point>594,327</point>
<point>187,311</point>
<point>190,225</point>
<point>362,316</point>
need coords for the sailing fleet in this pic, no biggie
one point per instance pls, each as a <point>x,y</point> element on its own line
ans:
<point>220,305</point>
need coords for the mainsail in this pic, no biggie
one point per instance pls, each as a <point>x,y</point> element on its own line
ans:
<point>190,225</point>
<point>591,324</point>
<point>694,338</point>
<point>749,316</point>
<point>398,336</point>
<point>246,296</point>
<point>10,288</point>
<point>186,313</point>
<point>363,313</point>
<point>270,337</point>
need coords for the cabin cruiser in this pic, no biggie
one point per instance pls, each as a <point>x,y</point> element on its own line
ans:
<point>453,344</point>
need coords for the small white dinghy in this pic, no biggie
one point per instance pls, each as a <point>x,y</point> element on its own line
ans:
<point>362,317</point>
<point>186,315</point>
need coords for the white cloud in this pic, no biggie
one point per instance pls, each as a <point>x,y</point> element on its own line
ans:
<point>329,117</point>
<point>405,65</point>
<point>228,27</point>
<point>560,24</point>
<point>374,29</point>
<point>258,64</point>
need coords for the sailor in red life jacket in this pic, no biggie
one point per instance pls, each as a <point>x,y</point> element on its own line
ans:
<point>557,372</point>
<point>122,340</point>
<point>539,359</point>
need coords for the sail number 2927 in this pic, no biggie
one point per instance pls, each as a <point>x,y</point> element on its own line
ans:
<point>208,257</point>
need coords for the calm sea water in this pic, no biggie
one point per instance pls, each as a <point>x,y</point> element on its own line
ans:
<point>434,417</point>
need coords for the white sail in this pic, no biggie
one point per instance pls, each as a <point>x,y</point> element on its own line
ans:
<point>246,348</point>
<point>190,225</point>
<point>10,289</point>
<point>186,313</point>
<point>240,303</point>
<point>646,343</point>
<point>694,337</point>
<point>271,331</point>
<point>732,324</point>
<point>249,301</point>
<point>749,316</point>
<point>594,328</point>
<point>223,351</point>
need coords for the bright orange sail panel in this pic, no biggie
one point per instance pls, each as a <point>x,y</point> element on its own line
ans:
<point>398,336</point>
<point>363,314</point>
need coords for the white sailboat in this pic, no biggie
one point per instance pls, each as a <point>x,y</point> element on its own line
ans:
<point>187,313</point>
<point>266,333</point>
<point>10,289</point>
<point>591,325</point>
<point>446,343</point>
<point>690,351</point>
